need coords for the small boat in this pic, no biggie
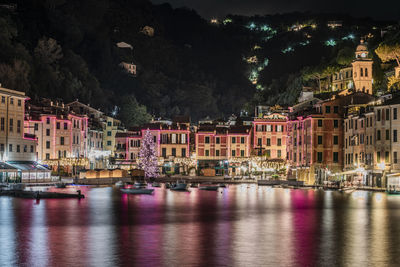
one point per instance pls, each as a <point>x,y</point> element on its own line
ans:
<point>139,185</point>
<point>179,186</point>
<point>137,191</point>
<point>60,185</point>
<point>119,184</point>
<point>194,185</point>
<point>167,185</point>
<point>208,187</point>
<point>222,185</point>
<point>155,184</point>
<point>16,186</point>
<point>347,189</point>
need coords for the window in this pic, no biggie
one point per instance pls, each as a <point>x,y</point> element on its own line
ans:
<point>47,156</point>
<point>164,152</point>
<point>108,143</point>
<point>47,120</point>
<point>18,148</point>
<point>336,109</point>
<point>173,138</point>
<point>294,157</point>
<point>31,149</point>
<point>11,125</point>
<point>242,153</point>
<point>36,127</point>
<point>58,125</point>
<point>183,138</point>
<point>378,115</point>
<point>62,140</point>
<point>207,140</point>
<point>173,152</point>
<point>386,157</point>
<point>19,102</point>
<point>279,153</point>
<point>335,140</point>
<point>378,157</point>
<point>183,152</point>
<point>11,101</point>
<point>378,135</point>
<point>394,113</point>
<point>335,124</point>
<point>2,147</point>
<point>217,153</point>
<point>335,157</point>
<point>47,144</point>
<point>361,72</point>
<point>394,135</point>
<point>233,140</point>
<point>18,126</point>
<point>109,123</point>
<point>319,123</point>
<point>268,141</point>
<point>242,140</point>
<point>233,153</point>
<point>366,72</point>
<point>319,139</point>
<point>327,109</point>
<point>59,154</point>
<point>268,153</point>
<point>10,148</point>
<point>217,140</point>
<point>259,142</point>
<point>387,114</point>
<point>47,132</point>
<point>387,135</point>
<point>3,99</point>
<point>395,157</point>
<point>279,141</point>
<point>319,157</point>
<point>108,133</point>
<point>2,124</point>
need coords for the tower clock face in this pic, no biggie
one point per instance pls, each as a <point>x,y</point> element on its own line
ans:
<point>363,55</point>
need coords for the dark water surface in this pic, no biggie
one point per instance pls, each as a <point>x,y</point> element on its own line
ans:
<point>237,226</point>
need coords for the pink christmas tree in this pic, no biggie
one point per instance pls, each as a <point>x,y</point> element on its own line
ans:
<point>148,157</point>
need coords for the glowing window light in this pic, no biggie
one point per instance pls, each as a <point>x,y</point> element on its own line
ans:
<point>252,26</point>
<point>288,49</point>
<point>227,21</point>
<point>306,42</point>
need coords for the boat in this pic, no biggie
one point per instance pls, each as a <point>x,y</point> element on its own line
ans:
<point>194,185</point>
<point>167,185</point>
<point>137,191</point>
<point>16,186</point>
<point>208,187</point>
<point>119,184</point>
<point>139,185</point>
<point>347,189</point>
<point>222,185</point>
<point>155,184</point>
<point>60,185</point>
<point>179,186</point>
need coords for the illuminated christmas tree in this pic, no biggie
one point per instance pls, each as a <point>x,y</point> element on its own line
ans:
<point>148,157</point>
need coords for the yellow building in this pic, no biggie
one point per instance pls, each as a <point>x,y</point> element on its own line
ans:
<point>343,79</point>
<point>113,126</point>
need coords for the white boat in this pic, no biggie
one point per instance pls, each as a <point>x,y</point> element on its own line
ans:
<point>139,185</point>
<point>180,186</point>
<point>137,190</point>
<point>61,185</point>
<point>348,189</point>
<point>222,185</point>
<point>208,187</point>
<point>119,184</point>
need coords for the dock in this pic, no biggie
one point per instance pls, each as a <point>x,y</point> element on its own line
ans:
<point>40,194</point>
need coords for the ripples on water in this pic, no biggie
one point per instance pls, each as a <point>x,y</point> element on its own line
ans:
<point>237,226</point>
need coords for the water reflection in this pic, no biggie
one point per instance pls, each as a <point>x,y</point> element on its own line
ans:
<point>236,226</point>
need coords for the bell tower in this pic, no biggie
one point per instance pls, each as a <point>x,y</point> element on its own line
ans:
<point>362,69</point>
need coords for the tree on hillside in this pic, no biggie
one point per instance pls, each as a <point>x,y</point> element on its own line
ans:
<point>147,156</point>
<point>389,52</point>
<point>15,76</point>
<point>316,74</point>
<point>132,113</point>
<point>345,56</point>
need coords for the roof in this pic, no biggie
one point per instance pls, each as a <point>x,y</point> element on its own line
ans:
<point>181,119</point>
<point>12,92</point>
<point>245,129</point>
<point>127,134</point>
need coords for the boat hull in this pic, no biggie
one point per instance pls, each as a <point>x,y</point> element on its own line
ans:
<point>208,188</point>
<point>137,191</point>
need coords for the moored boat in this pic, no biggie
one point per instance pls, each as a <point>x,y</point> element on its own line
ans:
<point>222,185</point>
<point>136,190</point>
<point>155,184</point>
<point>119,184</point>
<point>179,186</point>
<point>60,185</point>
<point>194,185</point>
<point>16,186</point>
<point>140,185</point>
<point>208,187</point>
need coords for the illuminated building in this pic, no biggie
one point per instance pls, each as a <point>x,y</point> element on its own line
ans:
<point>362,69</point>
<point>111,128</point>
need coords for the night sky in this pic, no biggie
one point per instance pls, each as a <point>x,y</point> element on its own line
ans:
<point>382,9</point>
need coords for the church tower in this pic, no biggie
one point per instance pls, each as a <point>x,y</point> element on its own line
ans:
<point>362,69</point>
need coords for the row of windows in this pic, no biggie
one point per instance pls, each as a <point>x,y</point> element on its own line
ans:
<point>3,101</point>
<point>335,157</point>
<point>173,152</point>
<point>269,128</point>
<point>268,143</point>
<point>10,125</point>
<point>17,148</point>
<point>218,140</point>
<point>384,114</point>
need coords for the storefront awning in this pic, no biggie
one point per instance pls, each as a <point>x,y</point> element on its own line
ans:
<point>28,166</point>
<point>4,167</point>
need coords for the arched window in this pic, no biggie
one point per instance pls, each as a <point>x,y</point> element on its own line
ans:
<point>366,72</point>
<point>361,72</point>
